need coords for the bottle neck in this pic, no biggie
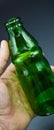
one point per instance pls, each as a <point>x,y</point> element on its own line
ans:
<point>21,40</point>
<point>17,42</point>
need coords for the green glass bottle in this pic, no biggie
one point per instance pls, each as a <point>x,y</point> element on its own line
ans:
<point>32,68</point>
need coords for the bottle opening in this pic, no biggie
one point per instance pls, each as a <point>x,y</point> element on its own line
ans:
<point>13,21</point>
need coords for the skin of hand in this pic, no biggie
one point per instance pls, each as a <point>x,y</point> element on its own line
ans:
<point>15,111</point>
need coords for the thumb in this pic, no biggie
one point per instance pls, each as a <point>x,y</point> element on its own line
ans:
<point>4,55</point>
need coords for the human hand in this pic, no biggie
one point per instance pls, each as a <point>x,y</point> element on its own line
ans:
<point>15,111</point>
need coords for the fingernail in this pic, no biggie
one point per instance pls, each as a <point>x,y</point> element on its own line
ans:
<point>2,43</point>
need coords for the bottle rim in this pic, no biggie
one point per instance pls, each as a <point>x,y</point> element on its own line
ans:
<point>12,21</point>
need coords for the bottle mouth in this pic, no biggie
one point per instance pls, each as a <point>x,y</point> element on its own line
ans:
<point>12,22</point>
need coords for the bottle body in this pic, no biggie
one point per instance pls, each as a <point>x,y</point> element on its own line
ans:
<point>36,81</point>
<point>33,71</point>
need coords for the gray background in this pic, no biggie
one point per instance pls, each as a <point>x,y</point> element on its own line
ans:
<point>38,18</point>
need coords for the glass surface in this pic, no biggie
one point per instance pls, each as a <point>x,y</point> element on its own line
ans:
<point>33,69</point>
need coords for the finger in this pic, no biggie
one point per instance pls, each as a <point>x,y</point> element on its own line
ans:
<point>52,68</point>
<point>4,55</point>
<point>9,69</point>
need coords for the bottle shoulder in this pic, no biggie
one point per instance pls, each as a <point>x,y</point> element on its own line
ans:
<point>30,54</point>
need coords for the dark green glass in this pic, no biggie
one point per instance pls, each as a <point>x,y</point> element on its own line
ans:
<point>32,68</point>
